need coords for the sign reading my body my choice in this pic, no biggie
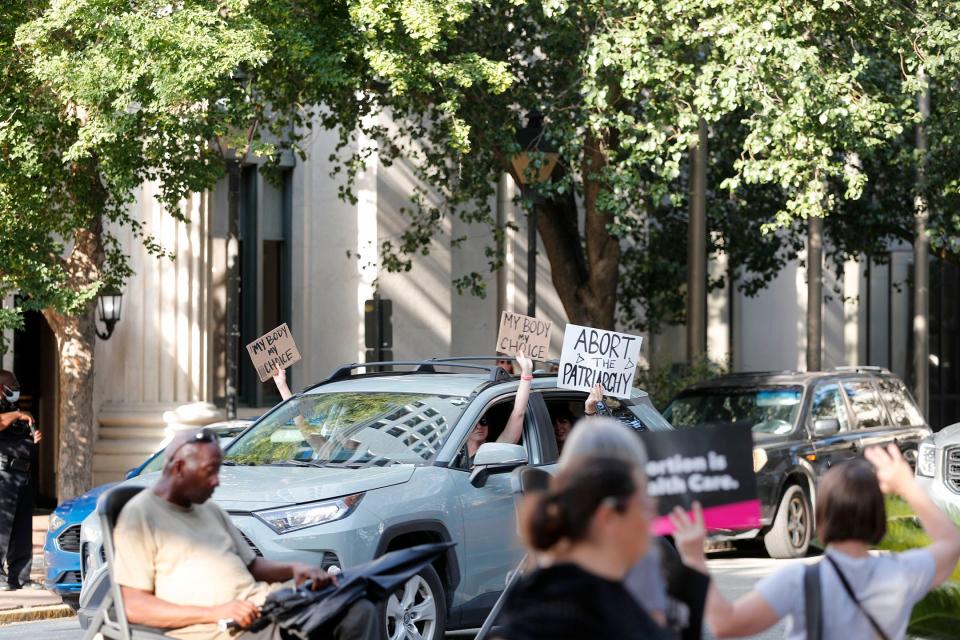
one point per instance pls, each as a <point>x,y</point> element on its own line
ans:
<point>523,334</point>
<point>713,465</point>
<point>592,356</point>
<point>273,351</point>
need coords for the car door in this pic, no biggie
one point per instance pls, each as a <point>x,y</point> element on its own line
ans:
<point>869,414</point>
<point>828,403</point>
<point>492,545</point>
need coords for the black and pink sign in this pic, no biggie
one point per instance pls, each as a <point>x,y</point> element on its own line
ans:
<point>713,465</point>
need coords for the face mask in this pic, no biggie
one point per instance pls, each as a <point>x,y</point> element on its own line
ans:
<point>10,395</point>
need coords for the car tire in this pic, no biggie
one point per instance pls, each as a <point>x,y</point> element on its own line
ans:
<point>72,601</point>
<point>421,603</point>
<point>792,529</point>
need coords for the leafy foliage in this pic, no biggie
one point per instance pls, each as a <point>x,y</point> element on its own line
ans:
<point>664,382</point>
<point>938,613</point>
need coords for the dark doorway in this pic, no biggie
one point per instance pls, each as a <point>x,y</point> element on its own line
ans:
<point>36,363</point>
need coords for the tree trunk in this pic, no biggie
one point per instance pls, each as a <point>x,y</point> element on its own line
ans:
<point>584,267</point>
<point>76,339</point>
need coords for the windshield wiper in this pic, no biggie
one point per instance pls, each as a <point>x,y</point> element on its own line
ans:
<point>293,462</point>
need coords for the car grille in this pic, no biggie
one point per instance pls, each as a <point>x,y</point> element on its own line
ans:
<point>250,544</point>
<point>951,470</point>
<point>329,559</point>
<point>69,539</point>
<point>70,577</point>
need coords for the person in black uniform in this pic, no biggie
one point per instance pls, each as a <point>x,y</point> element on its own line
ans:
<point>18,440</point>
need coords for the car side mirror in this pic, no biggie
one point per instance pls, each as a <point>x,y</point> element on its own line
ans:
<point>496,457</point>
<point>826,427</point>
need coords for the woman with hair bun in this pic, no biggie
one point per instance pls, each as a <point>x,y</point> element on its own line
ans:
<point>595,522</point>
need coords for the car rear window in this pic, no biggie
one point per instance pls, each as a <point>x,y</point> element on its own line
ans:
<point>903,412</point>
<point>768,409</point>
<point>865,403</point>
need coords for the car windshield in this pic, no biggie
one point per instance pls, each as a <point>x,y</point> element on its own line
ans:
<point>768,410</point>
<point>349,429</point>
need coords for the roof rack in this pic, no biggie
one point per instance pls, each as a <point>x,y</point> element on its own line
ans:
<point>419,366</point>
<point>862,368</point>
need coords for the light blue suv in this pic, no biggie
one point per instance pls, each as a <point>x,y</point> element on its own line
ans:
<point>364,463</point>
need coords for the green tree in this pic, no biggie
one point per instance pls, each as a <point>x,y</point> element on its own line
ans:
<point>795,93</point>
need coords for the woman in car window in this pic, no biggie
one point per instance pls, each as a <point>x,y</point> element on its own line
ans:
<point>862,595</point>
<point>595,521</point>
<point>513,430</point>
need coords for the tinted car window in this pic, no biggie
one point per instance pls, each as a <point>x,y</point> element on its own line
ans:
<point>865,403</point>
<point>902,410</point>
<point>828,404</point>
<point>771,410</point>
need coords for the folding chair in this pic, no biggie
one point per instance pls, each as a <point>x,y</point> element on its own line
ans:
<point>522,480</point>
<point>103,626</point>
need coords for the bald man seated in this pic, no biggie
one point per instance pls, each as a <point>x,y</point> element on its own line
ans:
<point>182,564</point>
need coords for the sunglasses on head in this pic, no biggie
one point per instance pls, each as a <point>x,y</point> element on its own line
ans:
<point>204,435</point>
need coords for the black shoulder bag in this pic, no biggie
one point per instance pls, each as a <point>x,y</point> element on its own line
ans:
<point>814,605</point>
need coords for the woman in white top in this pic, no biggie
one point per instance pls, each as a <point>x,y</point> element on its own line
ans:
<point>850,519</point>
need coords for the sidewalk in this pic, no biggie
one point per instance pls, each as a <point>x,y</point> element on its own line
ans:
<point>29,604</point>
<point>26,605</point>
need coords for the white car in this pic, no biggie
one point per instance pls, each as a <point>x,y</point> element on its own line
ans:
<point>938,468</point>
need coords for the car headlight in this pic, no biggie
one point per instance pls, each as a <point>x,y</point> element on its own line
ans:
<point>927,459</point>
<point>301,516</point>
<point>90,532</point>
<point>759,459</point>
<point>55,522</point>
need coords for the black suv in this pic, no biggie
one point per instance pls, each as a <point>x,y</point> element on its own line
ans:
<point>802,424</point>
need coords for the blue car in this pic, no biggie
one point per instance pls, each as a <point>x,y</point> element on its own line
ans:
<point>61,549</point>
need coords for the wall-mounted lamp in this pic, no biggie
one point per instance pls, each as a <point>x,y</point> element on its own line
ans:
<point>108,311</point>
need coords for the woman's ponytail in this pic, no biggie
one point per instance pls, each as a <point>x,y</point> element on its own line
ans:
<point>566,509</point>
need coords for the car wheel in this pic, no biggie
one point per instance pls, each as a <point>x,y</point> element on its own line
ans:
<point>72,601</point>
<point>418,609</point>
<point>789,537</point>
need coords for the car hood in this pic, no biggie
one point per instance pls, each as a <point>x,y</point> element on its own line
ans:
<point>75,510</point>
<point>254,488</point>
<point>946,436</point>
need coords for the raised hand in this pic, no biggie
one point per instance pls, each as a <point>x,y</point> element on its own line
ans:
<point>526,364</point>
<point>689,535</point>
<point>893,472</point>
<point>596,395</point>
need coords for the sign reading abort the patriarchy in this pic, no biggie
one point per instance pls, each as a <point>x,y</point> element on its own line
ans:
<point>523,334</point>
<point>273,351</point>
<point>713,465</point>
<point>592,356</point>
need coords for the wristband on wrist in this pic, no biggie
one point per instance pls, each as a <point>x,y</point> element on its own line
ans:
<point>527,376</point>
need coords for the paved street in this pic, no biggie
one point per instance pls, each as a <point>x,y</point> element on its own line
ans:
<point>735,575</point>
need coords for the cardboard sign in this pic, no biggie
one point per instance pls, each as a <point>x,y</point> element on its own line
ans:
<point>713,465</point>
<point>529,336</point>
<point>593,355</point>
<point>273,351</point>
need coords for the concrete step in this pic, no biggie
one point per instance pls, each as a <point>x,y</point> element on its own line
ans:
<point>126,447</point>
<point>130,432</point>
